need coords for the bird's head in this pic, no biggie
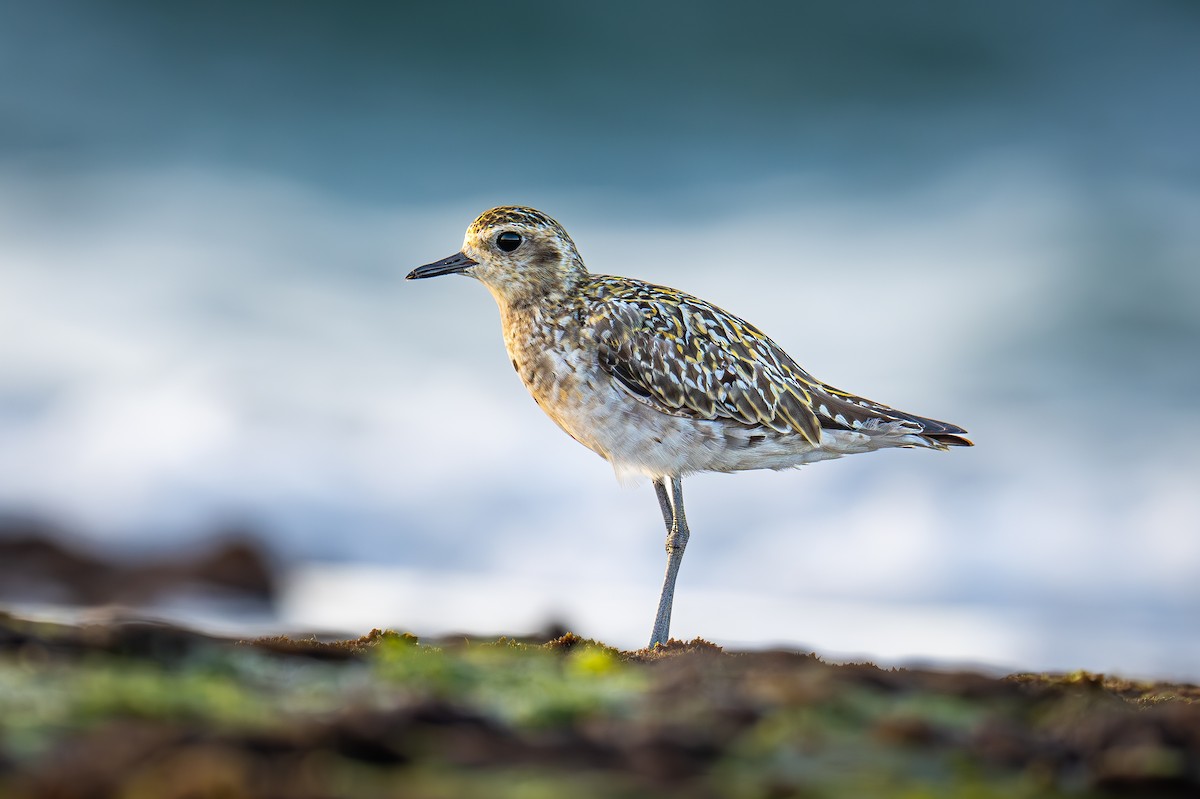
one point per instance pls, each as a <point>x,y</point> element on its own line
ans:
<point>520,254</point>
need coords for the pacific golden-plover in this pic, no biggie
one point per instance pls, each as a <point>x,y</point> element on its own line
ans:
<point>658,382</point>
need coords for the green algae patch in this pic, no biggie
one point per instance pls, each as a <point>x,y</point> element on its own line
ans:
<point>514,682</point>
<point>48,698</point>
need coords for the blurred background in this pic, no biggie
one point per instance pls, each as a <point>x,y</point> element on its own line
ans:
<point>984,213</point>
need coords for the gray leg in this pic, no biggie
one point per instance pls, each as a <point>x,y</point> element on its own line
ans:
<point>677,538</point>
<point>664,503</point>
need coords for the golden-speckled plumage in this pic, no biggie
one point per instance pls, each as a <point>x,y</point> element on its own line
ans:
<point>697,360</point>
<point>659,382</point>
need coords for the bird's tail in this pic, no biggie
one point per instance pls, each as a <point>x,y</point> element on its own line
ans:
<point>842,409</point>
<point>939,435</point>
<point>946,440</point>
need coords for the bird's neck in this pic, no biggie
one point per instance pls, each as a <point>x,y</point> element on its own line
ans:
<point>541,295</point>
<point>536,325</point>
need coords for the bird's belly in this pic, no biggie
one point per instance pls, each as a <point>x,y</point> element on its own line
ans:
<point>635,438</point>
<point>639,439</point>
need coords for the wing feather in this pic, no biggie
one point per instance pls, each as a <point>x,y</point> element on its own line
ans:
<point>693,359</point>
<point>687,357</point>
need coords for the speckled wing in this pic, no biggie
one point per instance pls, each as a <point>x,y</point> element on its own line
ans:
<point>689,358</point>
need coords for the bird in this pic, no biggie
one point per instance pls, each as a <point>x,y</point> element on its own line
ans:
<point>660,383</point>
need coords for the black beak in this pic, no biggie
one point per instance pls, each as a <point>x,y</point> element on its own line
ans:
<point>454,265</point>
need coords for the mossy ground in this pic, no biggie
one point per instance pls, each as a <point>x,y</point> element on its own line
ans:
<point>143,710</point>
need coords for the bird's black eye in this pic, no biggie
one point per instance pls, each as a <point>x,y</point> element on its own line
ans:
<point>508,241</point>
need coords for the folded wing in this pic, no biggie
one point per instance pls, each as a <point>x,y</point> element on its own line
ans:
<point>687,357</point>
